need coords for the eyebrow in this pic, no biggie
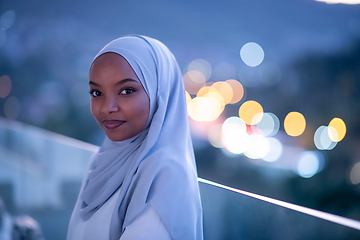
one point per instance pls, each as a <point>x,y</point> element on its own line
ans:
<point>118,83</point>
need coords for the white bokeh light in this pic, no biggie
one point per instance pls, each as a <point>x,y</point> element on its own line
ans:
<point>258,147</point>
<point>268,125</point>
<point>275,150</point>
<point>309,164</point>
<point>252,54</point>
<point>236,141</point>
<point>322,140</point>
<point>233,123</point>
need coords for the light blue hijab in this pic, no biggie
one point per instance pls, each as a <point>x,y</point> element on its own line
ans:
<point>155,168</point>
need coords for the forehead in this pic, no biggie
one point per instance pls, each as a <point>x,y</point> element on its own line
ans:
<point>111,65</point>
<point>110,59</point>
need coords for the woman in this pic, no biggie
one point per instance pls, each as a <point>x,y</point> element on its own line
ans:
<point>142,183</point>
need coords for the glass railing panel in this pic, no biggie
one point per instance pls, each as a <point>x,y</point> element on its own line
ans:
<point>229,214</point>
<point>41,173</point>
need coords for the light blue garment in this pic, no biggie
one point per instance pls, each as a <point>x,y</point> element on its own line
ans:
<point>157,167</point>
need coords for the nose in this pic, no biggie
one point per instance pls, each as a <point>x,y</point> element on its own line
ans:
<point>110,105</point>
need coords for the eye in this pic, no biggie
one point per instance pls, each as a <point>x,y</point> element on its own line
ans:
<point>95,93</point>
<point>127,91</point>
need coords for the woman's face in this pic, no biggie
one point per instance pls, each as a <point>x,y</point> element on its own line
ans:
<point>119,102</point>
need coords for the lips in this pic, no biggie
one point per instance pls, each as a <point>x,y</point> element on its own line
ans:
<point>112,124</point>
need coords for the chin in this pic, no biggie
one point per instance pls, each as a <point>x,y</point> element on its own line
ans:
<point>114,138</point>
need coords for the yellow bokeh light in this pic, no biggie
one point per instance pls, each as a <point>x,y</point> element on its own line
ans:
<point>193,81</point>
<point>193,109</point>
<point>248,110</point>
<point>225,90</point>
<point>204,109</point>
<point>218,98</point>
<point>337,129</point>
<point>5,86</point>
<point>216,108</point>
<point>294,124</point>
<point>238,90</point>
<point>205,90</point>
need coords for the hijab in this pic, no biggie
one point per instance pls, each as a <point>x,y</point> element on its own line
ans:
<point>156,167</point>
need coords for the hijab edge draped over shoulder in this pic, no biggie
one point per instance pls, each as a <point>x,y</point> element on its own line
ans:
<point>157,167</point>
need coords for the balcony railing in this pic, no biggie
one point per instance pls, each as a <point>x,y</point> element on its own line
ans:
<point>41,173</point>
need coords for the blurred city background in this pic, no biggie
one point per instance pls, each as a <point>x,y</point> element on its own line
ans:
<point>273,94</point>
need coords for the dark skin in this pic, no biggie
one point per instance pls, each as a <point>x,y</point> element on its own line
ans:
<point>119,102</point>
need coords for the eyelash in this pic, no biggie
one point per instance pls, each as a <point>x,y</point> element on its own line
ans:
<point>92,92</point>
<point>128,89</point>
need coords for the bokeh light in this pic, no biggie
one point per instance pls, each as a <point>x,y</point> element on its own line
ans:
<point>205,90</point>
<point>199,109</point>
<point>202,66</point>
<point>294,124</point>
<point>258,147</point>
<point>322,140</point>
<point>233,123</point>
<point>248,110</point>
<point>215,134</point>
<point>275,150</point>
<point>236,141</point>
<point>252,54</point>
<point>269,124</point>
<point>337,129</point>
<point>5,86</point>
<point>193,81</point>
<point>225,90</point>
<point>308,164</point>
<point>238,90</point>
<point>220,100</point>
<point>7,19</point>
<point>355,174</point>
<point>12,108</point>
<point>204,109</point>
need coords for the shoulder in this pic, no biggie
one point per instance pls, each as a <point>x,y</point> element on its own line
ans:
<point>163,164</point>
<point>163,174</point>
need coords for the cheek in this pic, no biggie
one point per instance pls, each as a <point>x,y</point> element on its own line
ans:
<point>143,109</point>
<point>146,108</point>
<point>94,109</point>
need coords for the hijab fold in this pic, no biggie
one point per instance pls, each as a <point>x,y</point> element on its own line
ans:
<point>156,167</point>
